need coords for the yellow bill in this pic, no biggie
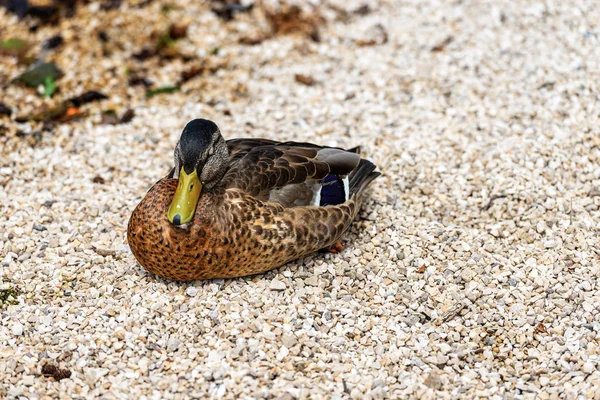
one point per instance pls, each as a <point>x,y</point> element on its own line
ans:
<point>186,197</point>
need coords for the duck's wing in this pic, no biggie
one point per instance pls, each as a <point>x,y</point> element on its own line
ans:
<point>238,148</point>
<point>289,172</point>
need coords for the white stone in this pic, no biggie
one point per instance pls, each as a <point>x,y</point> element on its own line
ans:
<point>277,285</point>
<point>17,329</point>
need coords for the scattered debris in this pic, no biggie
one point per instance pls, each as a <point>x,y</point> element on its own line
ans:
<point>67,110</point>
<point>103,36</point>
<point>48,12</point>
<point>8,295</point>
<point>49,86</point>
<point>99,179</point>
<point>191,72</point>
<point>365,9</point>
<point>45,115</point>
<point>5,110</point>
<point>177,31</point>
<point>491,201</point>
<point>286,19</point>
<point>547,85</point>
<point>226,10</point>
<point>290,19</point>
<point>39,74</point>
<point>541,328</point>
<point>110,5</point>
<point>53,42</point>
<point>162,90</point>
<point>144,54</point>
<point>374,36</point>
<point>165,44</point>
<point>71,113</point>
<point>14,47</point>
<point>209,66</point>
<point>305,79</point>
<point>136,80</point>
<point>127,116</point>
<point>442,45</point>
<point>55,372</point>
<point>87,97</point>
<point>104,252</point>
<point>61,113</point>
<point>110,117</point>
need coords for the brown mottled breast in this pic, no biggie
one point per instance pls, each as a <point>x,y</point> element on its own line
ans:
<point>232,234</point>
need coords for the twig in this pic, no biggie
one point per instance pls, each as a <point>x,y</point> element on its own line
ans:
<point>491,201</point>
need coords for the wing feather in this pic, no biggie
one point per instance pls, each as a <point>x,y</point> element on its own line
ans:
<point>259,165</point>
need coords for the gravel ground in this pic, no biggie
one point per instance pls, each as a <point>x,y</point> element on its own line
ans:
<point>472,272</point>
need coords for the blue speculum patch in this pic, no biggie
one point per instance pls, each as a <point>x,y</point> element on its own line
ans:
<point>332,192</point>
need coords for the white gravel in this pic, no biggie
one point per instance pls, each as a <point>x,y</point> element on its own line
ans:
<point>473,271</point>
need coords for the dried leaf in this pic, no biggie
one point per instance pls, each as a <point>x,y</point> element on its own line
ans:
<point>192,72</point>
<point>99,179</point>
<point>127,116</point>
<point>305,79</point>
<point>541,328</point>
<point>177,31</point>
<point>87,97</point>
<point>442,45</point>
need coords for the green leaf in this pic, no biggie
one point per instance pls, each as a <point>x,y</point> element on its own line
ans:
<point>14,47</point>
<point>161,90</point>
<point>49,86</point>
<point>13,44</point>
<point>165,40</point>
<point>37,76</point>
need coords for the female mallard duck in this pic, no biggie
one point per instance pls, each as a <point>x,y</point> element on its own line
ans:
<point>245,206</point>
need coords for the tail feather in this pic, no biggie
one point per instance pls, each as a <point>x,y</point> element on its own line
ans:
<point>362,176</point>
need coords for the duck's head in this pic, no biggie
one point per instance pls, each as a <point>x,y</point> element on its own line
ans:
<point>201,159</point>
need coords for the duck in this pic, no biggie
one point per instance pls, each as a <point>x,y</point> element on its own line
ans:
<point>242,207</point>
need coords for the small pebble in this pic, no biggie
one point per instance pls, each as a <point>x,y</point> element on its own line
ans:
<point>277,285</point>
<point>588,368</point>
<point>17,329</point>
<point>173,344</point>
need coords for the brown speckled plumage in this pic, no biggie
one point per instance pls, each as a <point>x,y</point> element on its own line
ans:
<point>235,233</point>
